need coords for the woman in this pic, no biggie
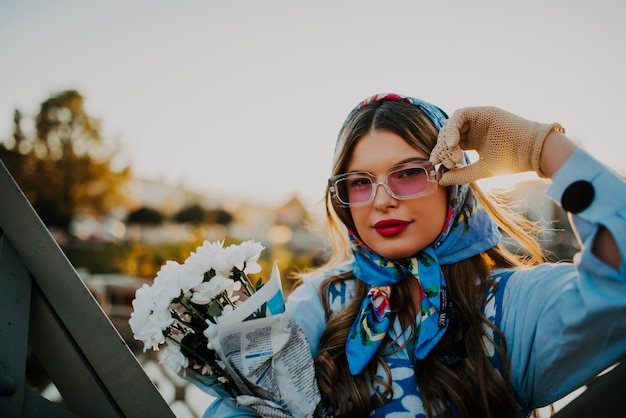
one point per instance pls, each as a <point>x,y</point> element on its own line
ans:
<point>422,311</point>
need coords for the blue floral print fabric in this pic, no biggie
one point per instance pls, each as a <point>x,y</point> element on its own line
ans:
<point>406,400</point>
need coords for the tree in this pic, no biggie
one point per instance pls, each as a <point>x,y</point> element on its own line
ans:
<point>196,214</point>
<point>193,214</point>
<point>219,216</point>
<point>145,216</point>
<point>64,167</point>
<point>142,218</point>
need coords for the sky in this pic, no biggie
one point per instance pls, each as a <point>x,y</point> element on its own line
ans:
<point>245,98</point>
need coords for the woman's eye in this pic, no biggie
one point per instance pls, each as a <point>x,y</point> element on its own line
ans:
<point>409,172</point>
<point>359,183</point>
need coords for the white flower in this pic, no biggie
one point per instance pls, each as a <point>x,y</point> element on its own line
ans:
<point>151,315</point>
<point>247,252</point>
<point>204,293</point>
<point>202,260</point>
<point>174,358</point>
<point>148,327</point>
<point>172,278</point>
<point>151,298</point>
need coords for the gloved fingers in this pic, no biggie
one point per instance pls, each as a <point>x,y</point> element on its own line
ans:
<point>450,157</point>
<point>467,174</point>
<point>448,149</point>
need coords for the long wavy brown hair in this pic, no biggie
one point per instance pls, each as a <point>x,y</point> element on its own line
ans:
<point>472,384</point>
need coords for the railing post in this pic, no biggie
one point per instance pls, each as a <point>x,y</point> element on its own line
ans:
<point>46,306</point>
<point>15,289</point>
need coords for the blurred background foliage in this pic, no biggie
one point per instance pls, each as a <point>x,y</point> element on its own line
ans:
<point>63,165</point>
<point>69,172</point>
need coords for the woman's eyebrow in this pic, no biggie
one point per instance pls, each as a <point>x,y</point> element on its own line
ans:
<point>413,160</point>
<point>404,161</point>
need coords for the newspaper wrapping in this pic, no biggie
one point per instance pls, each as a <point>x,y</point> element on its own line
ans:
<point>267,354</point>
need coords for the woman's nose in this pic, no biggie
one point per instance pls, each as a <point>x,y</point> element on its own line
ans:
<point>383,198</point>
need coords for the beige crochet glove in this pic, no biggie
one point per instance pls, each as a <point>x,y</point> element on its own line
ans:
<point>505,143</point>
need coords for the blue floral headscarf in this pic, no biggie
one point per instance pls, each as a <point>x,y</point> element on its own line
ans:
<point>467,231</point>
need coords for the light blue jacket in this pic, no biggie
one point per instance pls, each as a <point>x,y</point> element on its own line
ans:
<point>564,323</point>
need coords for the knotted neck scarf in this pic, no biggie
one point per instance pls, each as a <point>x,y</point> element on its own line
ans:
<point>468,230</point>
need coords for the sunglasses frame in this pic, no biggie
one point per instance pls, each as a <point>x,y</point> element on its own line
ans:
<point>429,168</point>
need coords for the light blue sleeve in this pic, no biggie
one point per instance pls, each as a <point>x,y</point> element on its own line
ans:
<point>565,323</point>
<point>307,310</point>
<point>224,408</point>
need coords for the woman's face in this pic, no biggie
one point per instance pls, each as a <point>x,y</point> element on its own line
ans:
<point>394,228</point>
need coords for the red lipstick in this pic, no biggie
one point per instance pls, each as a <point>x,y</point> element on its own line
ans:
<point>390,227</point>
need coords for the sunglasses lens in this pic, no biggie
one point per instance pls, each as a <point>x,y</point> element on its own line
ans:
<point>408,181</point>
<point>354,189</point>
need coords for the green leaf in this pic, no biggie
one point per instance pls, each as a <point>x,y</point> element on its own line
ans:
<point>214,309</point>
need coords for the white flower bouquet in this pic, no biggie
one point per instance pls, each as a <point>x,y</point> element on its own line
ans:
<point>228,335</point>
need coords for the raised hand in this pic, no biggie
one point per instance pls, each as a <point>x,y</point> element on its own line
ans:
<point>505,144</point>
